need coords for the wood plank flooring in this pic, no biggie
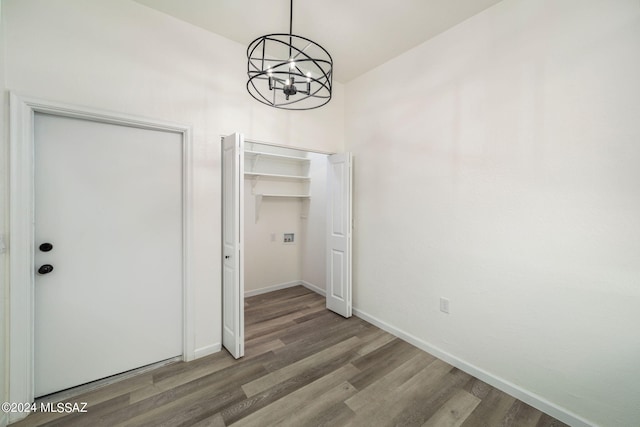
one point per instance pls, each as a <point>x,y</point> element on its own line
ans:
<point>304,366</point>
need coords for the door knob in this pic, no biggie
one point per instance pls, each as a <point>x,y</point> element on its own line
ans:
<point>45,269</point>
<point>227,256</point>
<point>46,247</point>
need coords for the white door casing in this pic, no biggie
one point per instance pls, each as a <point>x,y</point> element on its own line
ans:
<point>232,251</point>
<point>338,287</point>
<point>108,198</point>
<point>21,226</point>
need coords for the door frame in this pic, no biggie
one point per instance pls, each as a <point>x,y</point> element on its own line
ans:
<point>349,310</point>
<point>21,230</point>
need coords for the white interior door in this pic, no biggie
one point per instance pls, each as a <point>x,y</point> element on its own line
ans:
<point>232,235</point>
<point>108,199</point>
<point>339,234</point>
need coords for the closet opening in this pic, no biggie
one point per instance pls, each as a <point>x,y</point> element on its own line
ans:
<point>286,222</point>
<point>285,218</point>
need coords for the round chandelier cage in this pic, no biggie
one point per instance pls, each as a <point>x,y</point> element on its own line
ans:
<point>289,71</point>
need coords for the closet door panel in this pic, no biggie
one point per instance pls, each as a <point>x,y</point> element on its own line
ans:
<point>339,234</point>
<point>232,251</point>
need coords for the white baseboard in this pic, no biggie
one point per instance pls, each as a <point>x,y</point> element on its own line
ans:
<point>272,288</point>
<point>285,285</point>
<point>313,288</point>
<point>207,350</point>
<point>532,399</point>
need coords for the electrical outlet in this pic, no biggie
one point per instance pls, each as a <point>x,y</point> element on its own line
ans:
<point>444,305</point>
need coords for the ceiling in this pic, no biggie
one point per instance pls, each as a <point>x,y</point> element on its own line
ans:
<point>359,35</point>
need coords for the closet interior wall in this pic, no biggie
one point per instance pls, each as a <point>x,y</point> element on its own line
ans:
<point>284,194</point>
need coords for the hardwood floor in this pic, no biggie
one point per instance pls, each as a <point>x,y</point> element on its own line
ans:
<point>304,366</point>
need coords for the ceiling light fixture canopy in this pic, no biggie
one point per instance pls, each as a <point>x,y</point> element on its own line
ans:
<point>289,71</point>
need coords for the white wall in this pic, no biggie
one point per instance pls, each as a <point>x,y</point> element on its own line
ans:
<point>269,264</point>
<point>3,223</point>
<point>122,56</point>
<point>502,172</point>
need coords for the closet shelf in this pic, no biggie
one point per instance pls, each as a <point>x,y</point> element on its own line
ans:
<point>279,176</point>
<point>260,196</point>
<point>276,156</point>
<point>268,170</point>
<point>300,196</point>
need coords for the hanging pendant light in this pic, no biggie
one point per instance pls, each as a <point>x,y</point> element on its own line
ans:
<point>288,71</point>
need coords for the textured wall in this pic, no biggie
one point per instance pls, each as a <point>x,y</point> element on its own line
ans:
<point>497,166</point>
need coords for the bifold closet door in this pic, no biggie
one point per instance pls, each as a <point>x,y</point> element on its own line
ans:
<point>108,250</point>
<point>232,251</point>
<point>339,224</point>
